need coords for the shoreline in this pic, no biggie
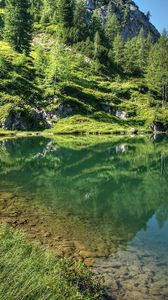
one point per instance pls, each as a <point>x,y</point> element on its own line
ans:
<point>46,228</point>
<point>77,133</point>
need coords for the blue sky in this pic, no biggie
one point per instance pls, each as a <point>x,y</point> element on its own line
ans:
<point>158,10</point>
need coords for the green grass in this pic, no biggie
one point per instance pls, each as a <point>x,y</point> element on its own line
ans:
<point>28,272</point>
<point>88,96</point>
<point>7,51</point>
<point>79,124</point>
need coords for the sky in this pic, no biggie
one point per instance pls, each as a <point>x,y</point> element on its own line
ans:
<point>158,10</point>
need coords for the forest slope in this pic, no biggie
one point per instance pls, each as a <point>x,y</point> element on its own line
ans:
<point>81,67</point>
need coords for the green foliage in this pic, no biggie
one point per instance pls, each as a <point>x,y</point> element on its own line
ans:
<point>73,47</point>
<point>66,10</point>
<point>112,27</point>
<point>4,67</point>
<point>80,23</point>
<point>161,117</point>
<point>117,54</point>
<point>130,57</point>
<point>18,24</point>
<point>2,3</point>
<point>95,24</point>
<point>40,62</point>
<point>143,44</point>
<point>1,21</point>
<point>18,92</point>
<point>66,17</point>
<point>157,70</point>
<point>49,11</point>
<point>35,8</point>
<point>136,54</point>
<point>28,271</point>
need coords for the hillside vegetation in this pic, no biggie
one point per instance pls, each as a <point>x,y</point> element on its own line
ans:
<point>68,67</point>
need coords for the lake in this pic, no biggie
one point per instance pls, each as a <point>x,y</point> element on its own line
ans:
<point>103,200</point>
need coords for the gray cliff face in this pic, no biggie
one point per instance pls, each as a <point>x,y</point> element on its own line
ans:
<point>132,20</point>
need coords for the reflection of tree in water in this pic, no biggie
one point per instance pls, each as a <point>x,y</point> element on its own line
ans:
<point>114,187</point>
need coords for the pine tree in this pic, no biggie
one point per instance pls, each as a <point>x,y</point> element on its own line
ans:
<point>88,49</point>
<point>97,45</point>
<point>97,51</point>
<point>157,71</point>
<point>4,67</point>
<point>2,3</point>
<point>66,16</point>
<point>118,53</point>
<point>59,67</point>
<point>18,24</point>
<point>112,27</point>
<point>36,6</point>
<point>80,24</point>
<point>143,45</point>
<point>95,25</point>
<point>49,11</point>
<point>66,10</point>
<point>130,61</point>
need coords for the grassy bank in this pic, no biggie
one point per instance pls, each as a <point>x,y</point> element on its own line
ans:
<point>15,133</point>
<point>83,125</point>
<point>27,272</point>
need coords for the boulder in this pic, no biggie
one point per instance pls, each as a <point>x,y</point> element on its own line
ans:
<point>25,120</point>
<point>106,108</point>
<point>62,111</point>
<point>159,127</point>
<point>91,5</point>
<point>121,114</point>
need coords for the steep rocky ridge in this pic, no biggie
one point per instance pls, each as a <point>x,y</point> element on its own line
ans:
<point>132,20</point>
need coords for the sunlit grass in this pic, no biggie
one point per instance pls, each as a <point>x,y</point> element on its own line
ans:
<point>27,272</point>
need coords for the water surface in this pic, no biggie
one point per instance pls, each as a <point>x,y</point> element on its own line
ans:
<point>112,196</point>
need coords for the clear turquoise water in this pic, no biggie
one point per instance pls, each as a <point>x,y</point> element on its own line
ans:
<point>119,192</point>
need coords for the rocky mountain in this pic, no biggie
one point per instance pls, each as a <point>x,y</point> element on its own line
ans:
<point>129,15</point>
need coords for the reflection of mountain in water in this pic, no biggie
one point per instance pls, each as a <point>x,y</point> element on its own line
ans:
<point>115,186</point>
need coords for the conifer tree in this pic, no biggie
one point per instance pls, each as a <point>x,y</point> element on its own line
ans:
<point>97,51</point>
<point>118,53</point>
<point>130,64</point>
<point>66,11</point>
<point>18,24</point>
<point>97,45</point>
<point>95,25</point>
<point>143,45</point>
<point>49,11</point>
<point>112,27</point>
<point>36,7</point>
<point>157,71</point>
<point>2,3</point>
<point>88,49</point>
<point>80,22</point>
